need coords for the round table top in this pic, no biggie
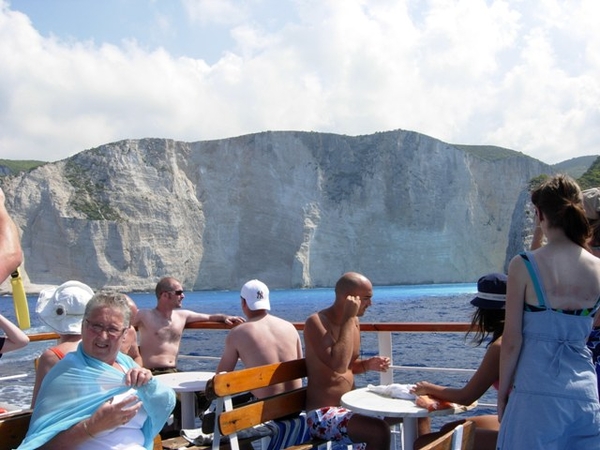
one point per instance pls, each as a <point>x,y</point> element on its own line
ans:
<point>371,403</point>
<point>186,381</point>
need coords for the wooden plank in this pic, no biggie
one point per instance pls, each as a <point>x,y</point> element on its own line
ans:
<point>262,411</point>
<point>239,381</point>
<point>13,428</point>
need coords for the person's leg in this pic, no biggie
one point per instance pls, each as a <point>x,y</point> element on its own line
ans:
<point>424,425</point>
<point>485,439</point>
<point>487,422</point>
<point>333,423</point>
<point>486,431</point>
<point>427,438</point>
<point>374,432</point>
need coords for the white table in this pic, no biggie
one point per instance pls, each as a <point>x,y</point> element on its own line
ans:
<point>370,403</point>
<point>186,383</point>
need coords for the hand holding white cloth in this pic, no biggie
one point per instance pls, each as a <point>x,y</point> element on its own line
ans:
<point>394,390</point>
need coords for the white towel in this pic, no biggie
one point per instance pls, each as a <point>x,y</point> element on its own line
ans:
<point>196,436</point>
<point>394,390</point>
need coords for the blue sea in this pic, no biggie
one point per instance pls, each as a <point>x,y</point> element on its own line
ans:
<point>415,303</point>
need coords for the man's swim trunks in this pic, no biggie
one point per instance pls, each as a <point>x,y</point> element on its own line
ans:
<point>162,370</point>
<point>331,424</point>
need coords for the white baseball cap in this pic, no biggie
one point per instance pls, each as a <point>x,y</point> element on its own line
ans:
<point>256,294</point>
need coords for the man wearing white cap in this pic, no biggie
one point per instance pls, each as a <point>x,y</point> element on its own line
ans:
<point>262,339</point>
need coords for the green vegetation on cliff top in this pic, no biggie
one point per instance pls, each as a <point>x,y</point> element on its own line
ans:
<point>489,152</point>
<point>591,178</point>
<point>16,166</point>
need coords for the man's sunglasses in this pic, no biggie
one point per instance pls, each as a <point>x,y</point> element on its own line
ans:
<point>178,292</point>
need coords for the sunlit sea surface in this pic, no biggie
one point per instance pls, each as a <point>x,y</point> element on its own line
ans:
<point>416,303</point>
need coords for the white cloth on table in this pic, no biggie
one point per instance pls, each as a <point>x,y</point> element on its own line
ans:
<point>394,390</point>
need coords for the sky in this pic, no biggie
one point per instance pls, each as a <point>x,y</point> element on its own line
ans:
<point>520,74</point>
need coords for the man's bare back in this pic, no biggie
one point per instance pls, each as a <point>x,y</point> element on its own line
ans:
<point>259,342</point>
<point>263,339</point>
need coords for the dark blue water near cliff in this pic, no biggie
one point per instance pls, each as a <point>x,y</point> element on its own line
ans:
<point>422,303</point>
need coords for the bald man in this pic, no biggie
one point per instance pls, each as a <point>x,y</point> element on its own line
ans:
<point>332,347</point>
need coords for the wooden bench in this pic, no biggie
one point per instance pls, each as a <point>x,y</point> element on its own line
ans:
<point>446,441</point>
<point>13,428</point>
<point>231,420</point>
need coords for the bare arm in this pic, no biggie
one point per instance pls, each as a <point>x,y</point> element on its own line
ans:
<point>193,316</point>
<point>486,374</point>
<point>230,355</point>
<point>375,363</point>
<point>299,354</point>
<point>512,337</point>
<point>11,255</point>
<point>15,337</point>
<point>342,350</point>
<point>537,239</point>
<point>45,362</point>
<point>134,350</point>
<point>334,353</point>
<point>107,417</point>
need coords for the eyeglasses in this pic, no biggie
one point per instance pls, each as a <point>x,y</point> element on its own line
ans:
<point>112,332</point>
<point>177,292</point>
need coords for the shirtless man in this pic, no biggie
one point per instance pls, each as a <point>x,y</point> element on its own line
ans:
<point>161,328</point>
<point>332,341</point>
<point>263,339</point>
<point>129,346</point>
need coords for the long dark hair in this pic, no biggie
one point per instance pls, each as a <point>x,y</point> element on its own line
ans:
<point>560,201</point>
<point>486,322</point>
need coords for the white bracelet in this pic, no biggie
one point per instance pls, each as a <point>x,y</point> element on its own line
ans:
<point>85,427</point>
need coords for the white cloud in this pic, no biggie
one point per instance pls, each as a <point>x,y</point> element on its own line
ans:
<point>508,73</point>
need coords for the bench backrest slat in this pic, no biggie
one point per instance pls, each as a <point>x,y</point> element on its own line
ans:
<point>262,411</point>
<point>239,381</point>
<point>231,420</point>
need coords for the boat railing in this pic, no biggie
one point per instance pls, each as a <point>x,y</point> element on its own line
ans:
<point>384,331</point>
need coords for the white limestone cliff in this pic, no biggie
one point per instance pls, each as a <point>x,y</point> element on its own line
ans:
<point>294,209</point>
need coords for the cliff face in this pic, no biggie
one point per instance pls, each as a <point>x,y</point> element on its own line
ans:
<point>293,209</point>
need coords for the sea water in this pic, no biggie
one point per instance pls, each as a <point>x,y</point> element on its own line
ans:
<point>416,303</point>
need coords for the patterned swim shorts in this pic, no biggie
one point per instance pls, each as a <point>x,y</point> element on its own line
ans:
<point>331,424</point>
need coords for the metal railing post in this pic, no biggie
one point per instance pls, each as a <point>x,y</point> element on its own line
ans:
<point>385,349</point>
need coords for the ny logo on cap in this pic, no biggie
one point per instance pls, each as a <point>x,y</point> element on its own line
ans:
<point>259,295</point>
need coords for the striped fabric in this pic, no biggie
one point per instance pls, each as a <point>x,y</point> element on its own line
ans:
<point>294,431</point>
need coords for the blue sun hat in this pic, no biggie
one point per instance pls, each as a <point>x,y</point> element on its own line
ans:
<point>491,291</point>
